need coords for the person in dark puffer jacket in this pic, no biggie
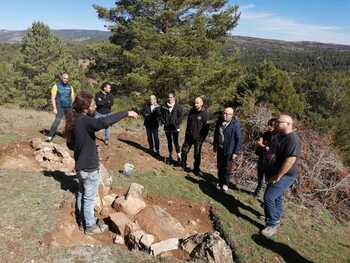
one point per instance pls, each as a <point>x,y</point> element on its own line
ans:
<point>151,114</point>
<point>171,116</point>
<point>196,132</point>
<point>104,103</point>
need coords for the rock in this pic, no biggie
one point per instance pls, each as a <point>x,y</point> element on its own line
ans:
<point>106,178</point>
<point>158,222</point>
<point>119,221</point>
<point>209,247</point>
<point>134,238</point>
<point>109,199</point>
<point>146,241</point>
<point>52,157</point>
<point>135,191</point>
<point>128,169</point>
<point>164,246</point>
<point>131,227</point>
<point>130,206</point>
<point>118,239</point>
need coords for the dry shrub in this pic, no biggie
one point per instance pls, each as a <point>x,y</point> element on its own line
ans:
<point>323,179</point>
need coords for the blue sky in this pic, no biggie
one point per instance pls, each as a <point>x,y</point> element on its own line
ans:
<point>312,20</point>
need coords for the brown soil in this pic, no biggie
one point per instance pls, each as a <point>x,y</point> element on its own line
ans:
<point>194,217</point>
<point>124,147</point>
<point>18,156</point>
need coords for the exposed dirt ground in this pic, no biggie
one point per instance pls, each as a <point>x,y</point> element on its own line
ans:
<point>124,147</point>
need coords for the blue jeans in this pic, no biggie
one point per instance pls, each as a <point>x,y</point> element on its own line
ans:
<point>273,199</point>
<point>107,132</point>
<point>153,138</point>
<point>86,197</point>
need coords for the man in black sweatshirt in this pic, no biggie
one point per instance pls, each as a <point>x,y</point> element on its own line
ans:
<point>196,131</point>
<point>104,103</point>
<point>80,134</point>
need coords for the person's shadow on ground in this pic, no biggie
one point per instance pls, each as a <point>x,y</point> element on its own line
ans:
<point>68,183</point>
<point>143,148</point>
<point>232,204</point>
<point>286,252</point>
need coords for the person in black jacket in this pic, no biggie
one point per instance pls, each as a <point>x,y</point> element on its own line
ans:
<point>80,134</point>
<point>265,151</point>
<point>171,116</point>
<point>227,142</point>
<point>196,132</point>
<point>104,103</point>
<point>151,114</point>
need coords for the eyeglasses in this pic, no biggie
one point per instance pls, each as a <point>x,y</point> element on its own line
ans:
<point>282,122</point>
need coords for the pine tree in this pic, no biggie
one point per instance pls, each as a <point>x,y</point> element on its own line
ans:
<point>44,58</point>
<point>168,45</point>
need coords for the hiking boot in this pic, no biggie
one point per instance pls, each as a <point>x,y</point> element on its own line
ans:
<point>269,231</point>
<point>225,188</point>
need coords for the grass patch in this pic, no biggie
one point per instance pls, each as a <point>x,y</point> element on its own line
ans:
<point>8,137</point>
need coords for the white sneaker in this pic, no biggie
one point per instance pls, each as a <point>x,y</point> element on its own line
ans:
<point>269,231</point>
<point>225,188</point>
<point>218,186</point>
<point>179,157</point>
<point>48,139</point>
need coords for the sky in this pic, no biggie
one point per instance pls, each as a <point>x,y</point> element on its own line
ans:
<point>298,20</point>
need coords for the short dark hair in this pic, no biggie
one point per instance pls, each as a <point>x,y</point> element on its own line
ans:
<point>272,122</point>
<point>172,93</point>
<point>104,84</point>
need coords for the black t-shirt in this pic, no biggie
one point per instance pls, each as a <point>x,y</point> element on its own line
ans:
<point>267,138</point>
<point>288,146</point>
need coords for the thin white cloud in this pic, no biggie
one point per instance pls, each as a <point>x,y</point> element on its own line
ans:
<point>273,25</point>
<point>247,7</point>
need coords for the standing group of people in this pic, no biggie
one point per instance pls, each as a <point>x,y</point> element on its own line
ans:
<point>278,148</point>
<point>227,135</point>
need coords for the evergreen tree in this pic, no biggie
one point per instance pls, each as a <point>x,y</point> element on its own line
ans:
<point>273,87</point>
<point>168,45</point>
<point>44,58</point>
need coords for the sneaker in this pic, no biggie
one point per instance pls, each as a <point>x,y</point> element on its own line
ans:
<point>48,139</point>
<point>218,186</point>
<point>179,157</point>
<point>106,142</point>
<point>225,188</point>
<point>269,231</point>
<point>96,229</point>
<point>91,230</point>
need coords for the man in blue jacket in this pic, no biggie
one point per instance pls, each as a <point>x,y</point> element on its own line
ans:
<point>227,142</point>
<point>62,96</point>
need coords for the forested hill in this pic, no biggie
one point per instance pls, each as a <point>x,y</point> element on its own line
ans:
<point>290,56</point>
<point>71,35</point>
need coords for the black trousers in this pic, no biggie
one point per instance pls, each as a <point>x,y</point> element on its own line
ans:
<point>153,138</point>
<point>225,167</point>
<point>186,147</point>
<point>173,138</point>
<point>261,173</point>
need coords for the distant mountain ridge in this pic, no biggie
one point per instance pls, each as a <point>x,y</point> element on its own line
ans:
<point>70,35</point>
<point>80,35</point>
